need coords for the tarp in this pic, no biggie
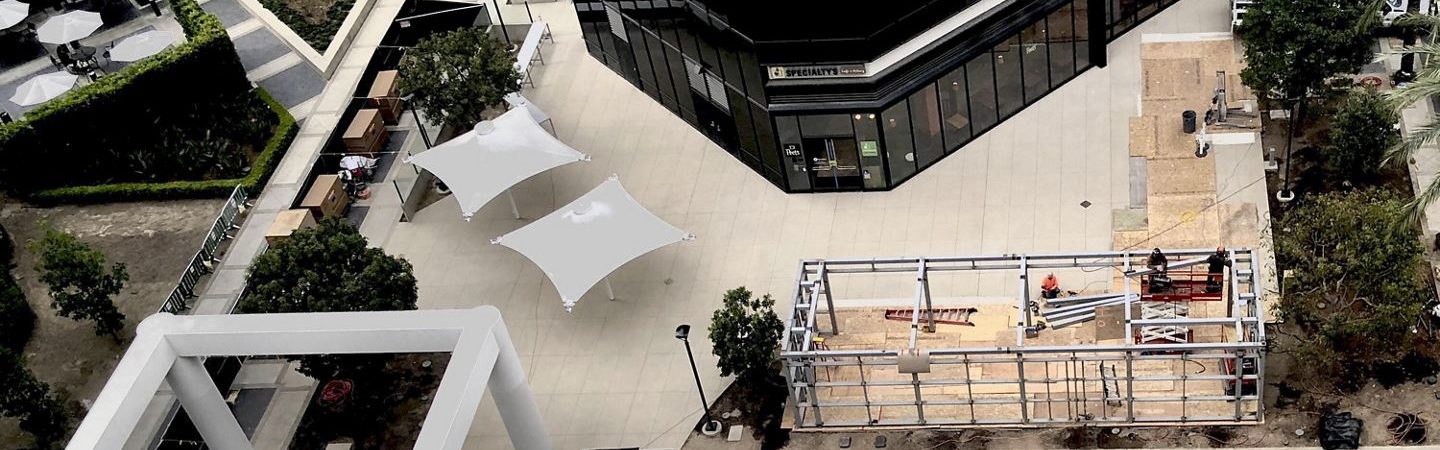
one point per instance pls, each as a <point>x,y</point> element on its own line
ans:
<point>582,242</point>
<point>498,154</point>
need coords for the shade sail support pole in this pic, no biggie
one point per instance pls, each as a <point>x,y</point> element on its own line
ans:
<point>513,208</point>
<point>609,291</point>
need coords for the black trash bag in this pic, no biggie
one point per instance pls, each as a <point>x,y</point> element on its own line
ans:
<point>1340,431</point>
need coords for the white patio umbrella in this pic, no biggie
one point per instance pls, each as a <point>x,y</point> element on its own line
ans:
<point>68,27</point>
<point>144,44</point>
<point>12,12</point>
<point>580,244</point>
<point>42,88</point>
<point>496,155</point>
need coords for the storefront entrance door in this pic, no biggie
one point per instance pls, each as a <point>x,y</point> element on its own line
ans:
<point>834,163</point>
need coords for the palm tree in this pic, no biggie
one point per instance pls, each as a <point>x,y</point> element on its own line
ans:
<point>1425,85</point>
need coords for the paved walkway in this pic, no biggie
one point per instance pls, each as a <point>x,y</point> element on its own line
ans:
<point>267,60</point>
<point>612,374</point>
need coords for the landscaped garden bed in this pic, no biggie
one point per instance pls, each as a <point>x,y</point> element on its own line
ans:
<point>316,21</point>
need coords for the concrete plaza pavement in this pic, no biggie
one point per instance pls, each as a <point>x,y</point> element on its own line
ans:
<point>611,373</point>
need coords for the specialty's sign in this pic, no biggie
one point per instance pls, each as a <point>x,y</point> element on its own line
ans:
<point>830,71</point>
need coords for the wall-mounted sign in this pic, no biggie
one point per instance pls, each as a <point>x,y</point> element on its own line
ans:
<point>792,150</point>
<point>831,71</point>
<point>869,148</point>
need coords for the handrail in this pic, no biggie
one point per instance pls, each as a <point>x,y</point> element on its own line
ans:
<point>208,255</point>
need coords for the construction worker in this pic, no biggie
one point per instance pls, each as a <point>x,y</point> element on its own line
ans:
<point>1160,280</point>
<point>1050,287</point>
<point>1217,261</point>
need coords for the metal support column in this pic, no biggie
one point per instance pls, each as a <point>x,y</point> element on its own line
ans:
<point>1096,30</point>
<point>1129,386</point>
<point>205,406</point>
<point>1129,329</point>
<point>929,302</point>
<point>829,300</point>
<point>1024,400</point>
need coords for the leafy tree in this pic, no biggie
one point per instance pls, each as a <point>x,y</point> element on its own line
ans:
<point>1423,87</point>
<point>745,333</point>
<point>454,77</point>
<point>22,396</point>
<point>1361,131</point>
<point>17,320</point>
<point>330,268</point>
<point>1356,288</point>
<point>1293,46</point>
<point>80,288</point>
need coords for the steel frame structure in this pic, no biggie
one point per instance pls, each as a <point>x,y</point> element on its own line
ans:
<point>1002,385</point>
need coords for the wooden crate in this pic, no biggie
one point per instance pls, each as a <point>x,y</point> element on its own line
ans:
<point>326,197</point>
<point>384,96</point>
<point>366,133</point>
<point>287,223</point>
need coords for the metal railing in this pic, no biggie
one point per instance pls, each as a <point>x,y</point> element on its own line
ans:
<point>207,256</point>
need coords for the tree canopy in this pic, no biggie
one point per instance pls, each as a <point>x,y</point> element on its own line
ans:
<point>456,76</point>
<point>30,400</point>
<point>1355,288</point>
<point>745,334</point>
<point>1293,46</point>
<point>1361,132</point>
<point>80,288</point>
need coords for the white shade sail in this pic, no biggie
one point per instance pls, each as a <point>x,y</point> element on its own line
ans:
<point>68,27</point>
<point>12,12</point>
<point>497,154</point>
<point>144,44</point>
<point>582,242</point>
<point>43,88</point>
<point>517,101</point>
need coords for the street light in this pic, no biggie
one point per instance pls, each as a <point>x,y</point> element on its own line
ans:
<point>1285,195</point>
<point>682,333</point>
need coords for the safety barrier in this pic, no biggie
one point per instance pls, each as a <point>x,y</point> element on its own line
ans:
<point>205,259</point>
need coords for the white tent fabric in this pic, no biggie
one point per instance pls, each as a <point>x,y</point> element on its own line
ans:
<point>496,155</point>
<point>71,26</point>
<point>43,88</point>
<point>144,44</point>
<point>517,101</point>
<point>579,244</point>
<point>12,12</point>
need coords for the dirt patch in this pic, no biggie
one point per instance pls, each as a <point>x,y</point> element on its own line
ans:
<point>315,11</point>
<point>154,239</point>
<point>323,424</point>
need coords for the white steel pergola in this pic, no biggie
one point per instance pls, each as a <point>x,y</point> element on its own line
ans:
<point>581,243</point>
<point>484,162</point>
<point>170,348</point>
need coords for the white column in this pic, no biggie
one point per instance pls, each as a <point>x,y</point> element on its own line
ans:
<point>609,291</point>
<point>513,209</point>
<point>513,397</point>
<point>207,409</point>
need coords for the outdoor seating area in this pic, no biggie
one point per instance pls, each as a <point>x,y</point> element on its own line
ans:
<point>86,39</point>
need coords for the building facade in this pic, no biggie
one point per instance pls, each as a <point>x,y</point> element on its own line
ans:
<point>852,95</point>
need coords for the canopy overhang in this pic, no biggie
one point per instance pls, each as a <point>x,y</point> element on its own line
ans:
<point>495,156</point>
<point>581,243</point>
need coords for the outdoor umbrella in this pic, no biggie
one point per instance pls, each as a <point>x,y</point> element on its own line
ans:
<point>142,45</point>
<point>496,155</point>
<point>69,27</point>
<point>579,245</point>
<point>12,12</point>
<point>42,88</point>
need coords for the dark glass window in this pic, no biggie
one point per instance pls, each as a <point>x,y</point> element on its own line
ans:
<point>1082,34</point>
<point>899,150</point>
<point>872,165</point>
<point>1036,60</point>
<point>796,172</point>
<point>925,120</point>
<point>642,62</point>
<point>677,76</point>
<point>1008,76</point>
<point>744,128</point>
<point>662,70</point>
<point>954,108</point>
<point>731,64</point>
<point>1061,32</point>
<point>765,138</point>
<point>980,76</point>
<point>754,77</point>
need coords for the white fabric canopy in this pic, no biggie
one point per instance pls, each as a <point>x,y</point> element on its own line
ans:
<point>43,88</point>
<point>144,44</point>
<point>582,242</point>
<point>517,101</point>
<point>71,26</point>
<point>12,12</point>
<point>497,154</point>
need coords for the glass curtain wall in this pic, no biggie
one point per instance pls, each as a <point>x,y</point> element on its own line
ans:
<point>669,49</point>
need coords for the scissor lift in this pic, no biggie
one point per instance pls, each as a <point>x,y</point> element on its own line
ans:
<point>1187,285</point>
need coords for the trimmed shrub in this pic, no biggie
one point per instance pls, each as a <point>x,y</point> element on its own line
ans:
<point>7,249</point>
<point>164,118</point>
<point>260,171</point>
<point>318,35</point>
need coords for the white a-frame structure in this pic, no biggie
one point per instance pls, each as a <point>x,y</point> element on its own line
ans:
<point>169,348</point>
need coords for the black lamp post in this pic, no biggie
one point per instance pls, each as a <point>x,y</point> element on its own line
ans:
<point>682,333</point>
<point>1285,195</point>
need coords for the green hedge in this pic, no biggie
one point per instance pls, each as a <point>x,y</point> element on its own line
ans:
<point>17,320</point>
<point>260,171</point>
<point>98,133</point>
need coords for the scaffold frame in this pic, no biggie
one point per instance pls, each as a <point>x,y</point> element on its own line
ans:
<point>1026,384</point>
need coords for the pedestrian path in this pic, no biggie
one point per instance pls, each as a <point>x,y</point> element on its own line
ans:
<point>268,61</point>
